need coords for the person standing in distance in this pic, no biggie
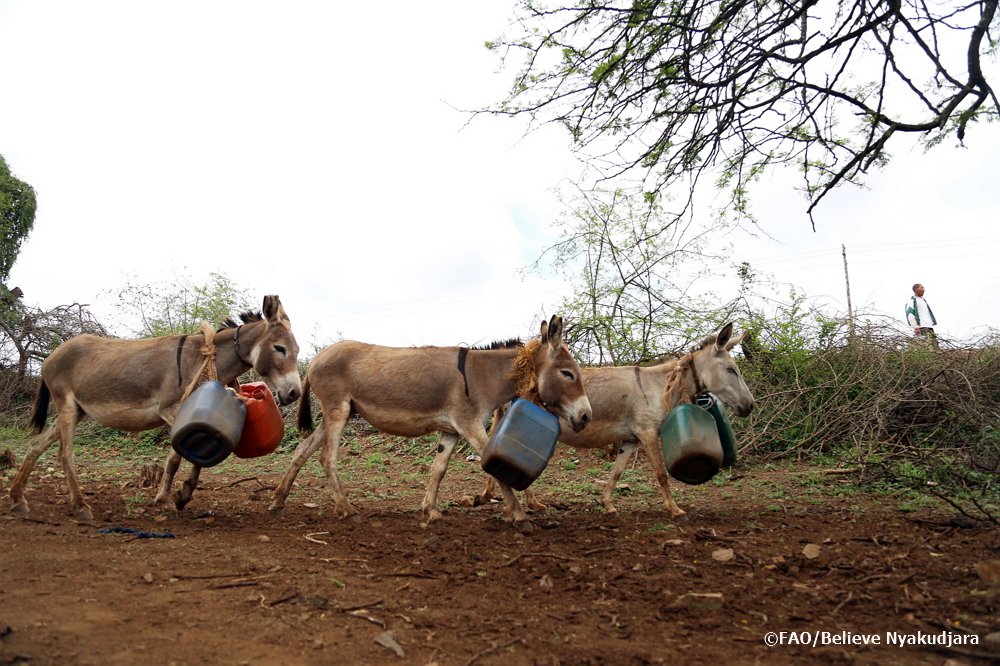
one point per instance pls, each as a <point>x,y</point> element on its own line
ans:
<point>920,316</point>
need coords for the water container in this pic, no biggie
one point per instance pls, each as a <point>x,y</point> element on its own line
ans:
<point>521,445</point>
<point>264,427</point>
<point>692,452</point>
<point>208,425</point>
<point>718,411</point>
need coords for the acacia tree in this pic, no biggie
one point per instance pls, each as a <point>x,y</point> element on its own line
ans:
<point>681,88</point>
<point>152,309</point>
<point>17,217</point>
<point>639,279</point>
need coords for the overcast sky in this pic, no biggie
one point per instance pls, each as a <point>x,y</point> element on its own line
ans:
<point>315,150</point>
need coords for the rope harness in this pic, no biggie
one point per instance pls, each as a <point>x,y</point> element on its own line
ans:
<point>676,383</point>
<point>209,369</point>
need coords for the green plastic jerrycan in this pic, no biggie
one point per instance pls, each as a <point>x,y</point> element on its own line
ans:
<point>692,452</point>
<point>710,402</point>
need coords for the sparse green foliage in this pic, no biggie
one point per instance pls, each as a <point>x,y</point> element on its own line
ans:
<point>635,272</point>
<point>675,91</point>
<point>181,305</point>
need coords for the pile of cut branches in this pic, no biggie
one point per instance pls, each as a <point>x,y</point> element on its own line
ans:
<point>897,406</point>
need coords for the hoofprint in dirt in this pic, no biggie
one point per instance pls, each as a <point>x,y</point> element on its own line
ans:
<point>235,586</point>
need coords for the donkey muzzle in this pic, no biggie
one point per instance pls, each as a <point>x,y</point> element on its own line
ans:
<point>578,414</point>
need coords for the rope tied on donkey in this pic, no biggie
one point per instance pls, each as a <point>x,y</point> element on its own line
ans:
<point>208,369</point>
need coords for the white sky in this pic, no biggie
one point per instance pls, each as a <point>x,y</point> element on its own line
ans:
<point>313,150</point>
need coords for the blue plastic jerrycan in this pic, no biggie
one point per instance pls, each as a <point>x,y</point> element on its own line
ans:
<point>521,445</point>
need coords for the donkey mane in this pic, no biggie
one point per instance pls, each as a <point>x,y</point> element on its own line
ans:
<point>246,317</point>
<point>522,371</point>
<point>707,342</point>
<point>673,393</point>
<point>509,343</point>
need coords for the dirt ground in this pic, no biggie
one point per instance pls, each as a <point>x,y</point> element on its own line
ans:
<point>779,550</point>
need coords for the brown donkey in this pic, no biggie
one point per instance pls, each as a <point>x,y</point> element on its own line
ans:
<point>137,385</point>
<point>417,391</point>
<point>630,403</point>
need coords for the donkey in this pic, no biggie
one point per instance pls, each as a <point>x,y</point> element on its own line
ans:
<point>137,385</point>
<point>630,403</point>
<point>417,391</point>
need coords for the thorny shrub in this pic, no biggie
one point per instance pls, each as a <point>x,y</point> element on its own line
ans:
<point>895,406</point>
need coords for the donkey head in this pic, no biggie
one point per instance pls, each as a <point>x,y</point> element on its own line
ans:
<point>717,372</point>
<point>560,386</point>
<point>274,353</point>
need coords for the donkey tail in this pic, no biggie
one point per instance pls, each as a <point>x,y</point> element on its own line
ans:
<point>305,409</point>
<point>40,409</point>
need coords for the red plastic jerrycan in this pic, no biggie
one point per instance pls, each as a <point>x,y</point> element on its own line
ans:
<point>264,427</point>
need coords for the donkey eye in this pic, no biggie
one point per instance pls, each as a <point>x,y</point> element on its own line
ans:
<point>279,349</point>
<point>733,371</point>
<point>567,374</point>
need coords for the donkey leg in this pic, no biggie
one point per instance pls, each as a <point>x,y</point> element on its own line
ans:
<point>305,450</point>
<point>489,492</point>
<point>170,466</point>
<point>513,513</point>
<point>186,491</point>
<point>651,444</point>
<point>446,447</point>
<point>329,454</point>
<point>532,502</point>
<point>484,497</point>
<point>35,449</point>
<point>621,462</point>
<point>67,425</point>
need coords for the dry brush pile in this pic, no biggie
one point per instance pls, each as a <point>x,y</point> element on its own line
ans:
<point>896,407</point>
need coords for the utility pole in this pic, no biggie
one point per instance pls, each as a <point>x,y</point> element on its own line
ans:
<point>847,282</point>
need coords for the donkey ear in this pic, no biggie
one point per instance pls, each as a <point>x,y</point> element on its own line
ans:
<point>722,339</point>
<point>555,332</point>
<point>735,341</point>
<point>272,309</point>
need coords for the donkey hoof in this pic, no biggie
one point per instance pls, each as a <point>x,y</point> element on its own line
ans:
<point>434,515</point>
<point>84,514</point>
<point>276,511</point>
<point>347,513</point>
<point>21,508</point>
<point>524,526</point>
